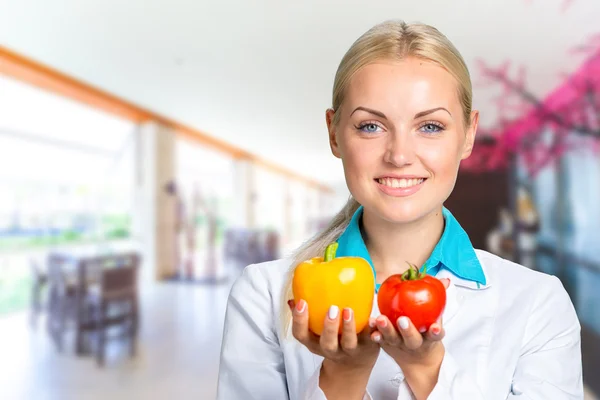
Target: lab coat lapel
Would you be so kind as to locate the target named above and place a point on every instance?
(452, 297)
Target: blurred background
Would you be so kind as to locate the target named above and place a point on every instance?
(150, 150)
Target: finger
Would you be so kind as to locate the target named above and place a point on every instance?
(411, 336)
(292, 304)
(445, 282)
(372, 324)
(329, 338)
(300, 328)
(349, 339)
(376, 336)
(365, 334)
(389, 335)
(300, 320)
(435, 333)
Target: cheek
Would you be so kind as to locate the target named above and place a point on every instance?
(358, 156)
(441, 158)
(360, 159)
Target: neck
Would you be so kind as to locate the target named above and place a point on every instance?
(392, 245)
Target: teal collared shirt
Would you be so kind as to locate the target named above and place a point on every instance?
(454, 250)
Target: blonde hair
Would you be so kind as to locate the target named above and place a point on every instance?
(390, 40)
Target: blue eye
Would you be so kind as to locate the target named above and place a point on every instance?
(431, 128)
(369, 128)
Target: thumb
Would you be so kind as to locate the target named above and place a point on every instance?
(291, 304)
(445, 282)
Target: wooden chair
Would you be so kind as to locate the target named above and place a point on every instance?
(115, 302)
(62, 299)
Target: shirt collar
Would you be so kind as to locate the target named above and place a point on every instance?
(453, 254)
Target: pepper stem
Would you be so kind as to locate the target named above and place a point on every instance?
(330, 251)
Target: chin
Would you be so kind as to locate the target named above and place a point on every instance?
(401, 211)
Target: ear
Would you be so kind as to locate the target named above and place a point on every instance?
(331, 128)
(470, 135)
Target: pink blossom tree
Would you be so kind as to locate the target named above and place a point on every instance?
(540, 130)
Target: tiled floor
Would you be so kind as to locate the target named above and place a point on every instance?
(177, 359)
(177, 355)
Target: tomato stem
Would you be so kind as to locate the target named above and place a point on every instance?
(330, 251)
(405, 275)
(412, 273)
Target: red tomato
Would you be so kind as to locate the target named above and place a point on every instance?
(415, 295)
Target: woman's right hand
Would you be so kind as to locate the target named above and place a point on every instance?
(346, 352)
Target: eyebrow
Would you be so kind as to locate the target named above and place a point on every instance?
(417, 115)
(427, 112)
(374, 112)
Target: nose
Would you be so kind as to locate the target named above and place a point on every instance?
(400, 150)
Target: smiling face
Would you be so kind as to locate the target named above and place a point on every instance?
(401, 136)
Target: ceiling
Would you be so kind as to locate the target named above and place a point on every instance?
(259, 73)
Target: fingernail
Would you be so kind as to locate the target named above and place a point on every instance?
(377, 338)
(403, 323)
(372, 323)
(436, 330)
(301, 306)
(347, 314)
(291, 304)
(333, 312)
(381, 323)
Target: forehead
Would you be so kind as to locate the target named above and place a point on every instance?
(407, 84)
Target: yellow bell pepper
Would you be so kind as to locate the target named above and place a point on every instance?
(343, 281)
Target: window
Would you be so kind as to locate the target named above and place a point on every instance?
(66, 170)
(66, 178)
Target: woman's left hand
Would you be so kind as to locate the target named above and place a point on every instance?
(419, 355)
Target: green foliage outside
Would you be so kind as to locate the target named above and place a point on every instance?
(112, 227)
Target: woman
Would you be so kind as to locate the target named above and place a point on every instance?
(401, 123)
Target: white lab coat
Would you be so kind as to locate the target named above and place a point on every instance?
(517, 337)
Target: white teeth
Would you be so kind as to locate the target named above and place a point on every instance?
(400, 183)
